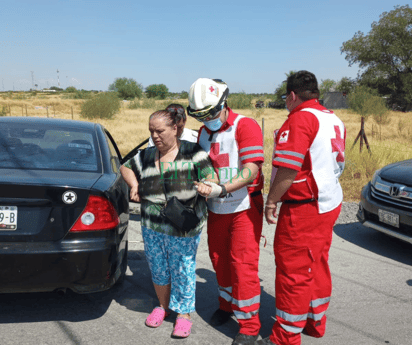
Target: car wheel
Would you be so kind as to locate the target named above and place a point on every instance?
(123, 267)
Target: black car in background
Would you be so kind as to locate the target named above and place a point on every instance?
(386, 201)
(63, 207)
(260, 104)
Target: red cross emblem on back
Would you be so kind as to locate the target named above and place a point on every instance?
(211, 89)
(338, 145)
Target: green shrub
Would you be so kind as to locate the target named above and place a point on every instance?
(366, 102)
(145, 103)
(19, 96)
(163, 104)
(380, 113)
(71, 89)
(82, 94)
(3, 112)
(134, 105)
(78, 94)
(127, 88)
(359, 100)
(240, 101)
(102, 106)
(159, 91)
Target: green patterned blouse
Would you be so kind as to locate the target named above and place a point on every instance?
(192, 163)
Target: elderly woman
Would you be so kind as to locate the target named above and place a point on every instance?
(173, 167)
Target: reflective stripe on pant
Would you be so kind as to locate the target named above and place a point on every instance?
(303, 281)
(234, 250)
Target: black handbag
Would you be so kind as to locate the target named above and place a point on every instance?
(182, 217)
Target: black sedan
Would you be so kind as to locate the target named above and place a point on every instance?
(386, 201)
(64, 207)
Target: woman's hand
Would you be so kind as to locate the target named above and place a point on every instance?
(134, 194)
(203, 189)
(208, 189)
(131, 180)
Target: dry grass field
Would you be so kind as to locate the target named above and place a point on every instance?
(130, 127)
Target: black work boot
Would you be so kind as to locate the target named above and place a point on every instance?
(265, 341)
(220, 317)
(244, 339)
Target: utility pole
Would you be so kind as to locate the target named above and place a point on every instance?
(2, 82)
(58, 78)
(32, 80)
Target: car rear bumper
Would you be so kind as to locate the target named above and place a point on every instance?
(83, 266)
(368, 215)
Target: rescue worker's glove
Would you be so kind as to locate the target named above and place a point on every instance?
(216, 189)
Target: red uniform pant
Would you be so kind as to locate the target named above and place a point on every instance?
(234, 250)
(303, 281)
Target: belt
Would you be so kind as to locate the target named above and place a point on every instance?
(258, 192)
(305, 201)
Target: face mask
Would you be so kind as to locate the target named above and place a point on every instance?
(214, 125)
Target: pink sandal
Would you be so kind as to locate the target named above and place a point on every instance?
(156, 317)
(182, 328)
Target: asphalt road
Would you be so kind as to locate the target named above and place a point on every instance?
(371, 300)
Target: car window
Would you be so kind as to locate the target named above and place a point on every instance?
(26, 146)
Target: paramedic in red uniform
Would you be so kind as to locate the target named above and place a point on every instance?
(235, 147)
(310, 158)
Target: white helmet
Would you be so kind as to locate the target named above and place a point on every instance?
(207, 98)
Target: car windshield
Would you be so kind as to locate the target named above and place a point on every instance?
(26, 146)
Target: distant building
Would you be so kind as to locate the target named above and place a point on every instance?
(335, 100)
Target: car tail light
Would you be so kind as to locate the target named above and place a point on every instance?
(99, 214)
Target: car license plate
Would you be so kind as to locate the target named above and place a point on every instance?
(388, 218)
(8, 218)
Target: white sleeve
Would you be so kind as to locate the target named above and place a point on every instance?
(189, 135)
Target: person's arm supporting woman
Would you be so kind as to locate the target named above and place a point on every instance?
(206, 173)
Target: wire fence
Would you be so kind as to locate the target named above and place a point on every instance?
(39, 111)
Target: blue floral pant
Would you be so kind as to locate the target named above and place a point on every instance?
(172, 260)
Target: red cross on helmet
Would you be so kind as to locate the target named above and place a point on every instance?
(207, 98)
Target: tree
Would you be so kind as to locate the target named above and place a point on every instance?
(281, 89)
(157, 90)
(71, 89)
(379, 111)
(346, 85)
(359, 101)
(127, 88)
(326, 85)
(384, 55)
(183, 95)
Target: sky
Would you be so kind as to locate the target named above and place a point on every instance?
(250, 45)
